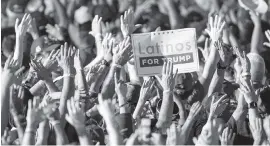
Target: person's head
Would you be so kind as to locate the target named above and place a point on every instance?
(257, 70)
(82, 15)
(49, 7)
(35, 5)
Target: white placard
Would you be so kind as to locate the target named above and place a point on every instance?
(179, 46)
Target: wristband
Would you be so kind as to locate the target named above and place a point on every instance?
(123, 104)
(69, 75)
(104, 62)
(117, 65)
(220, 67)
(165, 91)
(30, 131)
(55, 122)
(245, 74)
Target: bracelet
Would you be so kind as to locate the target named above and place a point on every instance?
(221, 67)
(117, 65)
(55, 122)
(167, 91)
(123, 104)
(245, 74)
(30, 131)
(105, 62)
(69, 75)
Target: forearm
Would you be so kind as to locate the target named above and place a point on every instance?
(255, 40)
(71, 9)
(138, 110)
(122, 104)
(43, 133)
(217, 81)
(36, 88)
(51, 86)
(209, 68)
(166, 110)
(4, 107)
(67, 92)
(29, 135)
(83, 136)
(61, 137)
(113, 132)
(182, 112)
(82, 86)
(187, 127)
(61, 13)
(95, 86)
(174, 17)
(108, 85)
(18, 51)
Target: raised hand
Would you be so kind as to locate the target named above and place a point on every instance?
(54, 32)
(123, 53)
(216, 28)
(66, 58)
(254, 17)
(22, 27)
(75, 114)
(266, 125)
(34, 113)
(224, 53)
(42, 72)
(256, 128)
(217, 106)
(146, 89)
(206, 50)
(227, 137)
(245, 63)
(96, 27)
(11, 70)
(93, 72)
(51, 62)
(267, 34)
(108, 45)
(175, 136)
(120, 87)
(32, 28)
(127, 23)
(194, 110)
(168, 78)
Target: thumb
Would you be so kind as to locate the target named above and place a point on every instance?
(195, 140)
(158, 29)
(69, 119)
(137, 26)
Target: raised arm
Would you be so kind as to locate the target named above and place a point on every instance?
(166, 110)
(256, 43)
(9, 76)
(21, 29)
(144, 96)
(122, 55)
(61, 14)
(174, 16)
(33, 119)
(105, 108)
(215, 33)
(225, 55)
(66, 62)
(76, 118)
(54, 119)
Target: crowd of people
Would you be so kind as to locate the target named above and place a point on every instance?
(68, 74)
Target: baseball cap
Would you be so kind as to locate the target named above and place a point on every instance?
(43, 43)
(259, 6)
(257, 69)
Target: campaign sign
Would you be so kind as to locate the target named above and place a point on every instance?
(151, 49)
